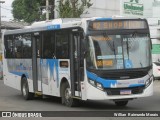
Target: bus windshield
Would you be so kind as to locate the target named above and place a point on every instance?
(110, 52)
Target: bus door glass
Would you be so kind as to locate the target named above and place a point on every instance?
(39, 50)
(36, 62)
(62, 55)
(77, 62)
(47, 62)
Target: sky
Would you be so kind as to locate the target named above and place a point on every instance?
(6, 9)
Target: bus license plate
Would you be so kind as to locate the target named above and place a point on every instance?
(125, 92)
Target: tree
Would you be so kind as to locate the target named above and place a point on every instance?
(72, 8)
(29, 10)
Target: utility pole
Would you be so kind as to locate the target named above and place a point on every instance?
(47, 9)
(0, 17)
(1, 77)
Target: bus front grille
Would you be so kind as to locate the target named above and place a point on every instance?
(117, 91)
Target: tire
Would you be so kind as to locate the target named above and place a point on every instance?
(25, 90)
(121, 103)
(67, 97)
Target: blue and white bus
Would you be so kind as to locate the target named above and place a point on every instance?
(80, 59)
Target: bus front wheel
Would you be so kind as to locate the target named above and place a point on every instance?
(67, 97)
(25, 90)
(121, 103)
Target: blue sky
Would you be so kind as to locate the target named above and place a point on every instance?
(6, 8)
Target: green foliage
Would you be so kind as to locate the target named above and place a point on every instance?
(72, 8)
(26, 10)
(137, 1)
(29, 10)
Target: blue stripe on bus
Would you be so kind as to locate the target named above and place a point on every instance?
(107, 83)
(19, 73)
(103, 19)
(53, 63)
(136, 85)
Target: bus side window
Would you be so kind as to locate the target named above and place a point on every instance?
(62, 49)
(27, 49)
(47, 53)
(18, 46)
(9, 53)
(48, 43)
(19, 52)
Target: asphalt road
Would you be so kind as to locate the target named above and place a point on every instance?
(11, 100)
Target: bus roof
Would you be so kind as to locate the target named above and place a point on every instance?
(47, 25)
(57, 24)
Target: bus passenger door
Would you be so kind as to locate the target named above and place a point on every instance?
(77, 65)
(36, 68)
(48, 64)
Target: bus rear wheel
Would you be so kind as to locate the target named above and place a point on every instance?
(67, 97)
(121, 103)
(25, 90)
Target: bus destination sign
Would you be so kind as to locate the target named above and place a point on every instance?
(117, 25)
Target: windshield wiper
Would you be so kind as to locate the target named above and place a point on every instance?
(127, 49)
(134, 34)
(114, 50)
(141, 64)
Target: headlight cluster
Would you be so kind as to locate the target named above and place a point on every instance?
(96, 84)
(149, 81)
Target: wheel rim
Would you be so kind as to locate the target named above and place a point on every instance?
(67, 95)
(24, 90)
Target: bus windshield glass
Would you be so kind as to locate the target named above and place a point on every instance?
(110, 52)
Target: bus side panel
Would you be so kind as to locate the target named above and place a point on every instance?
(50, 77)
(39, 76)
(13, 71)
(9, 79)
(84, 84)
(64, 72)
(45, 76)
(52, 74)
(30, 84)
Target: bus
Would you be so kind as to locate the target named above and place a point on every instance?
(80, 59)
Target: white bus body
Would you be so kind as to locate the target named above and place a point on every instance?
(81, 74)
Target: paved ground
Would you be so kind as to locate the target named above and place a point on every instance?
(11, 100)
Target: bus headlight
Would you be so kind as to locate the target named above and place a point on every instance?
(149, 81)
(92, 82)
(99, 86)
(96, 84)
